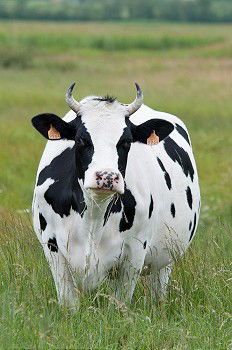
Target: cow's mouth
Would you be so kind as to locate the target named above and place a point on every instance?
(104, 191)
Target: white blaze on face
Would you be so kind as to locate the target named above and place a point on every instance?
(105, 123)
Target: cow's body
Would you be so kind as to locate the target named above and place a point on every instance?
(152, 221)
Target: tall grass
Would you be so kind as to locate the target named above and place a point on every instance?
(195, 314)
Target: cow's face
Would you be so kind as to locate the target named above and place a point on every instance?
(102, 141)
(103, 134)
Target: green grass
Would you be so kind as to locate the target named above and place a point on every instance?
(195, 315)
(58, 43)
(188, 75)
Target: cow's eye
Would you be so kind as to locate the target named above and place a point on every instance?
(80, 142)
(126, 144)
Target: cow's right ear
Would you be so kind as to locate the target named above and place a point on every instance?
(52, 127)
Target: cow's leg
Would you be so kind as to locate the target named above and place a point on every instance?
(158, 281)
(130, 266)
(64, 284)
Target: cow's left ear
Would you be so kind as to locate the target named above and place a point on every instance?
(152, 131)
(53, 128)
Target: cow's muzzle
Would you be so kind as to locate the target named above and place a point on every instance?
(107, 181)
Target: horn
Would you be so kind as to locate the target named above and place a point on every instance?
(72, 103)
(137, 103)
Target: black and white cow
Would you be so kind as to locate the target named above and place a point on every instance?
(117, 187)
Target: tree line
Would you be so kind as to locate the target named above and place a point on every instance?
(176, 10)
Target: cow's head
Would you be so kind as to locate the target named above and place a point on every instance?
(103, 134)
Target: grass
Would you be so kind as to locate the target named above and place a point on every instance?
(58, 43)
(190, 80)
(198, 301)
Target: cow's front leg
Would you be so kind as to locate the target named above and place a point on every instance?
(66, 291)
(130, 265)
(158, 281)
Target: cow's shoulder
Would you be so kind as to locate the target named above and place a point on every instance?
(60, 190)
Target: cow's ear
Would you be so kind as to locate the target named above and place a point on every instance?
(52, 127)
(152, 131)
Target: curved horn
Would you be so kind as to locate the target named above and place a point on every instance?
(73, 104)
(137, 103)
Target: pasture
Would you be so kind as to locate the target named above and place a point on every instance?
(183, 69)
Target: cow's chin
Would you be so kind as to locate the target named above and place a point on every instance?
(101, 192)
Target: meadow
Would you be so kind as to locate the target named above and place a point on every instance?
(183, 69)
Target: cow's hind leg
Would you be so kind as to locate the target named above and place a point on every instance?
(64, 284)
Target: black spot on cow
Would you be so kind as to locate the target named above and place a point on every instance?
(166, 175)
(52, 244)
(182, 132)
(43, 222)
(189, 197)
(150, 207)
(168, 180)
(145, 245)
(128, 214)
(65, 193)
(194, 226)
(115, 206)
(84, 151)
(125, 203)
(173, 210)
(179, 155)
(190, 225)
(123, 147)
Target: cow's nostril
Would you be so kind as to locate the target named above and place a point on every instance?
(115, 177)
(98, 175)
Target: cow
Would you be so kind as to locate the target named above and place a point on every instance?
(116, 189)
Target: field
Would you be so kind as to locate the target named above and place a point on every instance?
(183, 69)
